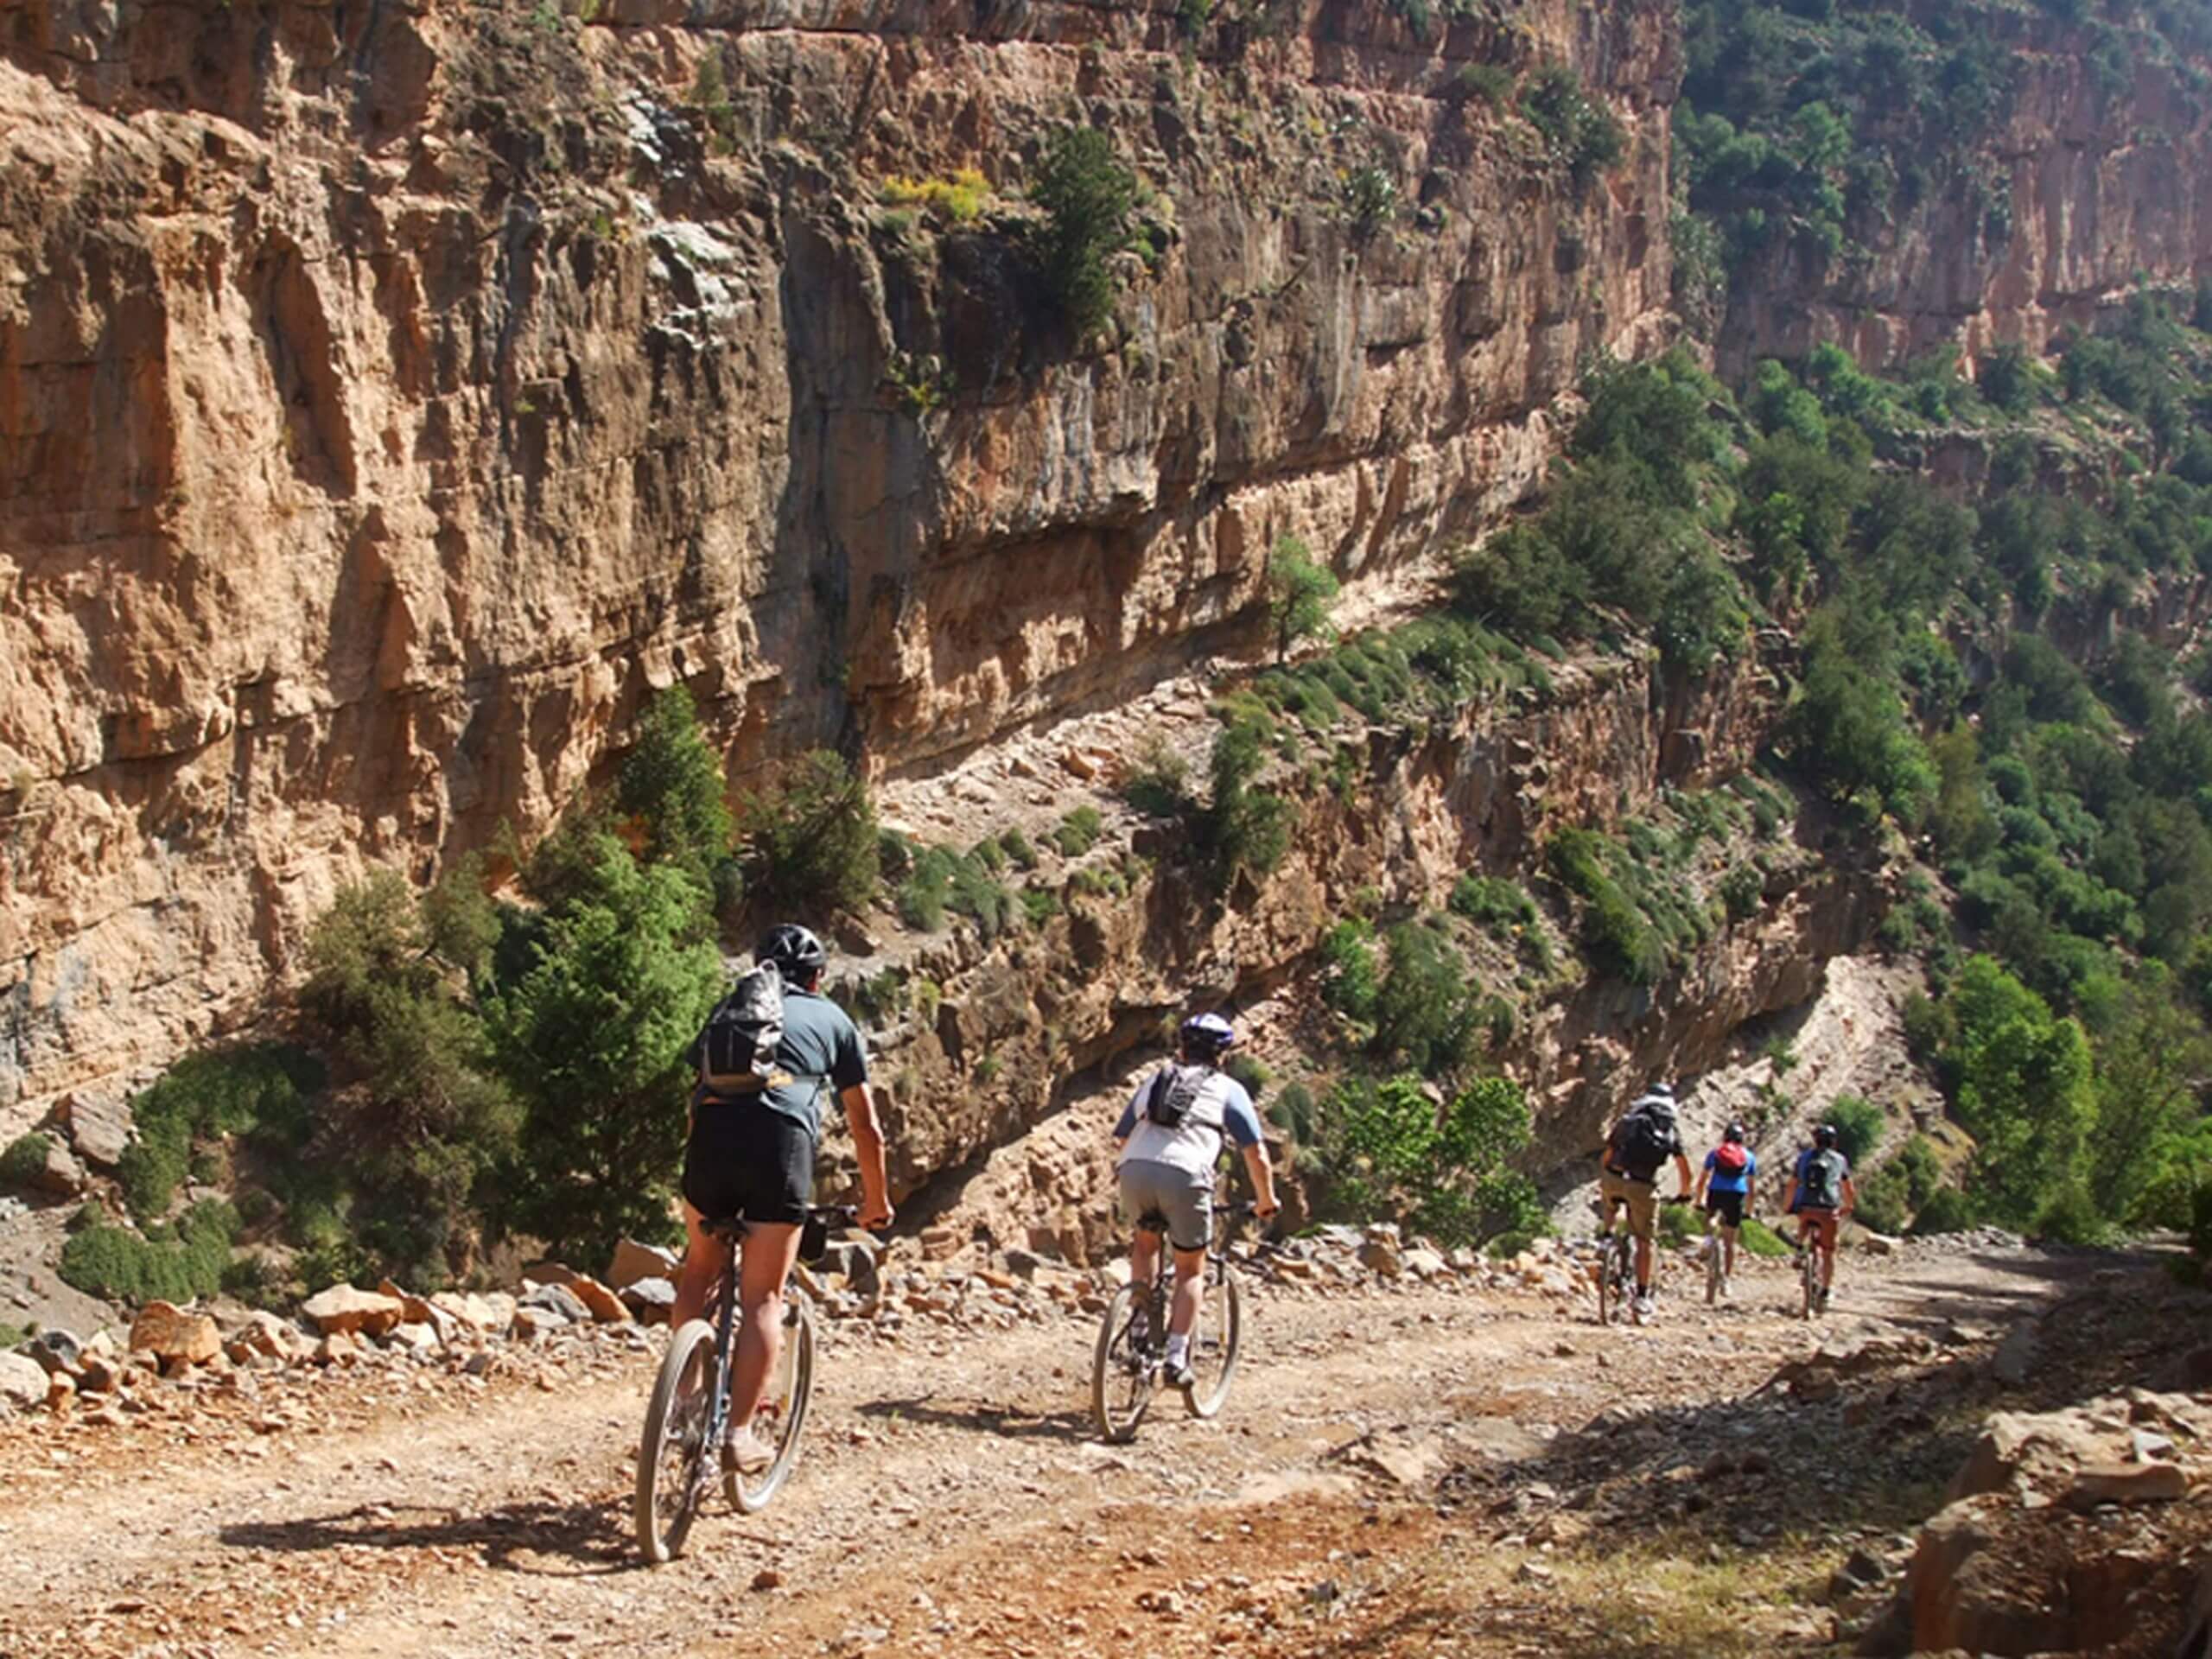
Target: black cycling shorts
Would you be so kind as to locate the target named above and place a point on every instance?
(746, 1161)
(1729, 1206)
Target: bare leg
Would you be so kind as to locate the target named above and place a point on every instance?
(1144, 1259)
(1644, 1261)
(770, 1250)
(704, 1258)
(1728, 1252)
(1828, 1263)
(1189, 1292)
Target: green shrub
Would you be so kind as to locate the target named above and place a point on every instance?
(22, 1164)
(1350, 977)
(812, 842)
(1882, 1203)
(1019, 849)
(1087, 196)
(1859, 1125)
(1491, 82)
(1614, 928)
(253, 1089)
(1245, 830)
(1299, 593)
(1741, 891)
(1079, 831)
(1039, 905)
(671, 783)
(1578, 133)
(1762, 1239)
(2071, 1217)
(1947, 1210)
(1493, 902)
(174, 1263)
(1425, 1009)
(1158, 782)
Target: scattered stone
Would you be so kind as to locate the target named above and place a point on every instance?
(602, 1303)
(2126, 1482)
(98, 1373)
(1878, 1243)
(337, 1348)
(22, 1382)
(634, 1262)
(558, 1300)
(99, 1126)
(1379, 1254)
(262, 1333)
(1425, 1264)
(344, 1310)
(2143, 1446)
(2016, 1356)
(56, 1352)
(651, 1301)
(768, 1578)
(536, 1319)
(61, 1391)
(173, 1336)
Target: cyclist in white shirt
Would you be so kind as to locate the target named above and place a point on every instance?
(1171, 1136)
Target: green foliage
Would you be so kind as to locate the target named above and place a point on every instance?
(1019, 849)
(1245, 830)
(1079, 831)
(812, 842)
(2006, 377)
(672, 785)
(2024, 1093)
(1088, 197)
(1249, 1070)
(1384, 1147)
(1848, 726)
(1947, 1210)
(1425, 1010)
(1368, 196)
(1859, 1124)
(1614, 930)
(1299, 593)
(177, 1262)
(1159, 781)
(1351, 981)
(941, 879)
(1580, 133)
(1492, 83)
(239, 1091)
(1742, 890)
(24, 1160)
(591, 1037)
(1762, 1239)
(1494, 902)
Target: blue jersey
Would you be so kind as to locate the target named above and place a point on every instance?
(1721, 1180)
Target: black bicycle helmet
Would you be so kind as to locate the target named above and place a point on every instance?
(1824, 1137)
(796, 951)
(1734, 1132)
(1207, 1036)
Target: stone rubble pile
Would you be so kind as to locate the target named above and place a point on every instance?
(2084, 1486)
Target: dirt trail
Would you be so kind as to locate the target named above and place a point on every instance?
(952, 1498)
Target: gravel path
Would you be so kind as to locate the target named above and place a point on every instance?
(951, 1497)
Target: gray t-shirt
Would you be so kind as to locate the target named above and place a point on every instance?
(822, 1049)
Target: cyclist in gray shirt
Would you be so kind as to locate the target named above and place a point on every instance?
(1171, 1136)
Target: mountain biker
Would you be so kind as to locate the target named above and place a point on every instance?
(1645, 1138)
(1170, 1136)
(1724, 1191)
(1822, 1196)
(754, 1154)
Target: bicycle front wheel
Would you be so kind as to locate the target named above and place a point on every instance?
(1122, 1369)
(782, 1415)
(671, 1454)
(1213, 1348)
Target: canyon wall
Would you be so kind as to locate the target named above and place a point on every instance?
(391, 395)
(2088, 186)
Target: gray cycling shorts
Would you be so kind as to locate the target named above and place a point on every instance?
(1185, 1201)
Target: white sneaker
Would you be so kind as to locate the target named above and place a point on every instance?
(748, 1452)
(1644, 1309)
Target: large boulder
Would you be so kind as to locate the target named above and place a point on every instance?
(58, 1173)
(2017, 1448)
(99, 1126)
(22, 1382)
(651, 1301)
(175, 1336)
(344, 1309)
(262, 1333)
(555, 1299)
(634, 1262)
(57, 1353)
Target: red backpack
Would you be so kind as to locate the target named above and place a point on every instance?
(1729, 1158)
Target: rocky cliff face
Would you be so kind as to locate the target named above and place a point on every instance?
(390, 397)
(2086, 188)
(1010, 1034)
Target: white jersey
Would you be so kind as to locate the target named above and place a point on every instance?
(1222, 1108)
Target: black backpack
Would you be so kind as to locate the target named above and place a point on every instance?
(1642, 1143)
(1820, 1184)
(737, 1046)
(1174, 1090)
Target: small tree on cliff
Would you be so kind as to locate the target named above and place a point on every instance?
(1088, 197)
(671, 783)
(1299, 592)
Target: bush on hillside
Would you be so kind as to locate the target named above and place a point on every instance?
(1859, 1124)
(24, 1161)
(174, 1263)
(1088, 197)
(672, 785)
(811, 845)
(238, 1090)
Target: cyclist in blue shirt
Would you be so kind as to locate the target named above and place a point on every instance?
(1724, 1191)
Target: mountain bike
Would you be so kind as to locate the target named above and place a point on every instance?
(1809, 1272)
(1131, 1358)
(1617, 1266)
(689, 1413)
(1716, 1271)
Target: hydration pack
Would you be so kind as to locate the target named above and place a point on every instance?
(737, 1046)
(1729, 1158)
(1820, 1182)
(1642, 1142)
(1174, 1090)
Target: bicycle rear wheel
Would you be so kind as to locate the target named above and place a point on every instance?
(782, 1415)
(671, 1454)
(1610, 1284)
(1122, 1372)
(1808, 1281)
(1213, 1348)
